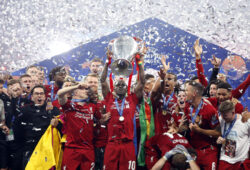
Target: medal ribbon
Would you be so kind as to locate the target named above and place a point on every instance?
(165, 105)
(197, 111)
(130, 78)
(120, 110)
(77, 100)
(135, 135)
(80, 100)
(227, 131)
(52, 92)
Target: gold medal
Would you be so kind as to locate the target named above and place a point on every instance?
(164, 112)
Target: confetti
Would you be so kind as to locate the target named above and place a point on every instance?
(29, 27)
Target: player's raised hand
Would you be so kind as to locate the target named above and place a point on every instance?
(197, 49)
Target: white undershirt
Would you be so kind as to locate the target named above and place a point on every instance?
(239, 134)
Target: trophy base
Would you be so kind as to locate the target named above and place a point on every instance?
(121, 67)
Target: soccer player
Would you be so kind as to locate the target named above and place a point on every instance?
(164, 101)
(79, 119)
(234, 139)
(224, 92)
(120, 151)
(203, 121)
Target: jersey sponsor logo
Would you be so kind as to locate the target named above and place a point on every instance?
(214, 120)
(84, 116)
(180, 141)
(126, 105)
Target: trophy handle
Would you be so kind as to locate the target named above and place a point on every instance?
(140, 45)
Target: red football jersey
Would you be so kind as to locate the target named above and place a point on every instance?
(101, 133)
(121, 129)
(55, 103)
(79, 122)
(48, 91)
(158, 145)
(163, 121)
(177, 117)
(238, 107)
(208, 119)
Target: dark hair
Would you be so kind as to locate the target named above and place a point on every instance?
(53, 72)
(178, 161)
(216, 82)
(224, 85)
(175, 76)
(194, 78)
(38, 86)
(178, 89)
(97, 60)
(197, 86)
(24, 75)
(13, 81)
(148, 76)
(10, 77)
(226, 106)
(1, 81)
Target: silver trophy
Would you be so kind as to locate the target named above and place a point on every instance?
(123, 48)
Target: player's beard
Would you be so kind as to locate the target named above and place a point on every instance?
(59, 84)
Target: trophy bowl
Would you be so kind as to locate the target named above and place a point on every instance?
(123, 49)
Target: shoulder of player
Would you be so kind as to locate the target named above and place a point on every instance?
(27, 107)
(56, 110)
(208, 107)
(108, 96)
(239, 105)
(132, 95)
(211, 100)
(170, 135)
(47, 87)
(174, 97)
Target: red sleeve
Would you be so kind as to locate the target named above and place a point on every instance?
(97, 111)
(212, 117)
(66, 106)
(107, 100)
(151, 156)
(187, 111)
(200, 73)
(240, 90)
(135, 98)
(214, 102)
(47, 90)
(239, 108)
(55, 103)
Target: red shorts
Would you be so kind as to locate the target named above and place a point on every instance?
(207, 157)
(74, 158)
(119, 156)
(223, 165)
